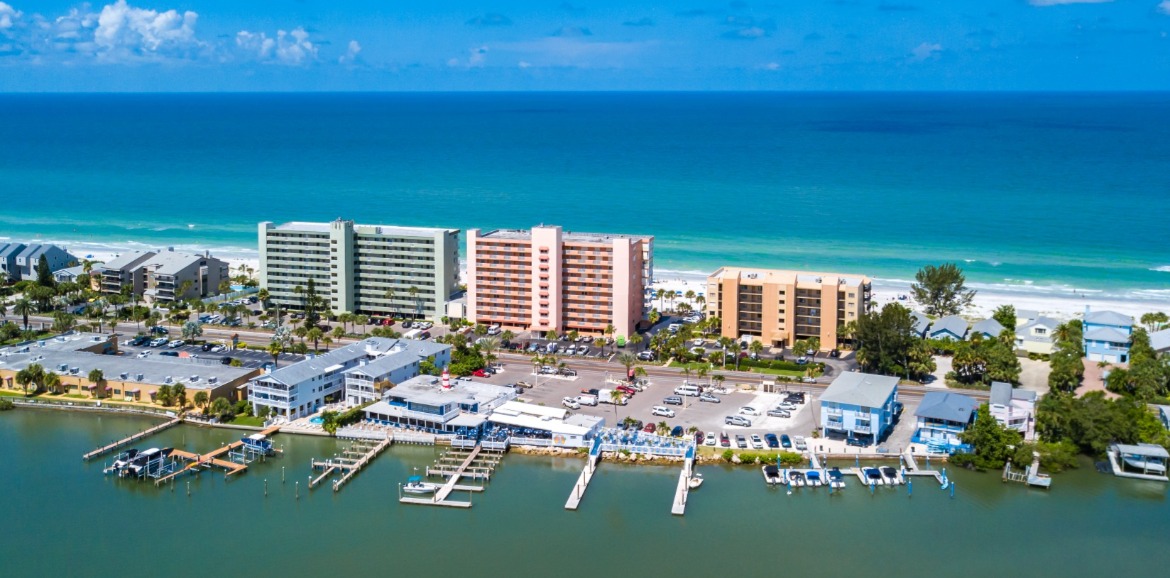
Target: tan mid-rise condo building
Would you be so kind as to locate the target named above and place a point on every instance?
(548, 279)
(780, 308)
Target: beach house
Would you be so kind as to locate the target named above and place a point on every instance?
(19, 261)
(949, 327)
(1107, 336)
(921, 323)
(1160, 341)
(1035, 335)
(988, 328)
(302, 388)
(859, 405)
(370, 378)
(941, 418)
(1013, 408)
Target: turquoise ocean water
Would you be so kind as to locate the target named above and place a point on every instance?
(1045, 193)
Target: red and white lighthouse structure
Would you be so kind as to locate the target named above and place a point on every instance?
(446, 379)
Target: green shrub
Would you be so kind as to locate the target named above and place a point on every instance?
(6, 404)
(727, 455)
(791, 459)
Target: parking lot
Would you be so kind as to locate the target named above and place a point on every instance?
(249, 359)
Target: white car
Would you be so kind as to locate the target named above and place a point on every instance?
(710, 440)
(661, 410)
(800, 443)
(144, 354)
(757, 443)
(571, 403)
(161, 341)
(176, 343)
(784, 405)
(218, 349)
(583, 350)
(749, 410)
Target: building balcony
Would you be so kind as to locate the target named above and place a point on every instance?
(833, 411)
(862, 428)
(835, 425)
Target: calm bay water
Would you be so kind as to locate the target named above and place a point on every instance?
(1032, 192)
(63, 517)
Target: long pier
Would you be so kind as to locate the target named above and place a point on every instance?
(357, 466)
(212, 459)
(591, 462)
(682, 491)
(133, 438)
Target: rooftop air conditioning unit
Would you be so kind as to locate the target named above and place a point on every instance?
(194, 378)
(124, 376)
(63, 367)
(167, 379)
(212, 379)
(138, 377)
(74, 370)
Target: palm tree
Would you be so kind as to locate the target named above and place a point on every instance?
(701, 373)
(363, 320)
(52, 382)
(726, 343)
(390, 297)
(635, 341)
(690, 295)
(33, 375)
(338, 332)
(327, 340)
(756, 347)
(599, 343)
(702, 301)
(200, 400)
(314, 334)
(627, 360)
(96, 377)
(718, 379)
(662, 428)
(659, 294)
(610, 330)
(417, 304)
(654, 317)
(275, 349)
(615, 397)
(24, 307)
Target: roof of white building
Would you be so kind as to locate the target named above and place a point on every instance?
(862, 389)
(1106, 334)
(1108, 318)
(1160, 340)
(1003, 393)
(519, 407)
(428, 390)
(370, 347)
(946, 406)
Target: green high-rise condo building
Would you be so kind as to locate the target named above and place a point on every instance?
(369, 269)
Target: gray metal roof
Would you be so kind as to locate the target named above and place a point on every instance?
(1001, 393)
(171, 263)
(369, 348)
(1108, 318)
(127, 260)
(989, 327)
(1150, 450)
(862, 389)
(946, 406)
(11, 249)
(921, 322)
(155, 369)
(953, 324)
(1106, 334)
(1160, 340)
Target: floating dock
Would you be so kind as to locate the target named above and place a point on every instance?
(586, 475)
(682, 492)
(464, 469)
(131, 439)
(1154, 456)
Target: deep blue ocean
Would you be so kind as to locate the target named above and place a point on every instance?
(1041, 192)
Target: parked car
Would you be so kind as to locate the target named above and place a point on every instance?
(626, 390)
(777, 412)
(225, 360)
(676, 431)
(749, 410)
(784, 405)
(479, 373)
(582, 350)
(571, 403)
(770, 439)
(738, 420)
(586, 399)
(757, 443)
(169, 353)
(523, 384)
(646, 356)
(785, 442)
(801, 360)
(662, 410)
(807, 379)
(799, 443)
(709, 398)
(856, 442)
(699, 438)
(592, 391)
(710, 439)
(161, 341)
(724, 441)
(650, 428)
(673, 400)
(741, 442)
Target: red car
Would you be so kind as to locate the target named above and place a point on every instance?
(479, 373)
(650, 428)
(724, 440)
(626, 390)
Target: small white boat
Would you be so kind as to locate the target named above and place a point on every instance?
(415, 485)
(1150, 466)
(771, 475)
(695, 481)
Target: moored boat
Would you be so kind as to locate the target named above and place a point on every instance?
(416, 485)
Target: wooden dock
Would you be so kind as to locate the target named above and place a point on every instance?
(591, 462)
(131, 439)
(357, 466)
(212, 458)
(452, 484)
(682, 491)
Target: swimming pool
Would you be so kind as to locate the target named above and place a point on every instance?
(317, 420)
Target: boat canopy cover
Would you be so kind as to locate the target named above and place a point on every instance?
(414, 479)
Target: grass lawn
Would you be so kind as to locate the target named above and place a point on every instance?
(8, 393)
(248, 420)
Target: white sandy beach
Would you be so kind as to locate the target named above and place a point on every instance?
(1059, 306)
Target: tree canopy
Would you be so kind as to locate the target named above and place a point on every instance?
(942, 289)
(982, 361)
(1067, 367)
(1092, 422)
(1006, 316)
(887, 344)
(993, 442)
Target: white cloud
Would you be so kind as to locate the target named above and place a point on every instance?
(8, 16)
(559, 51)
(772, 66)
(524, 64)
(925, 50)
(287, 47)
(1164, 7)
(125, 31)
(476, 58)
(351, 53)
(1063, 2)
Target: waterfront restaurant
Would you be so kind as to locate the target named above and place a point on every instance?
(545, 426)
(421, 403)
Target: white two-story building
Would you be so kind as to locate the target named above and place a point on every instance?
(300, 389)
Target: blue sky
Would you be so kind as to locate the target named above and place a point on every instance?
(265, 45)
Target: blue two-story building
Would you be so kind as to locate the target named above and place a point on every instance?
(859, 406)
(942, 417)
(1107, 336)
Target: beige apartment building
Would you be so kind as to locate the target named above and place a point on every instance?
(164, 276)
(782, 307)
(549, 279)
